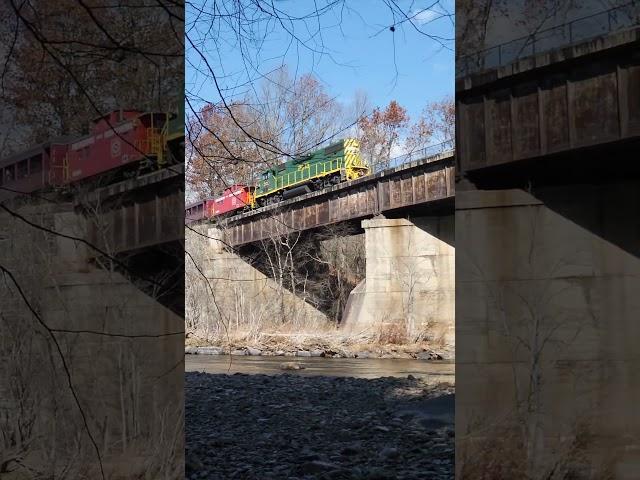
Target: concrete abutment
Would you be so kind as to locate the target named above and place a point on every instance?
(243, 297)
(410, 279)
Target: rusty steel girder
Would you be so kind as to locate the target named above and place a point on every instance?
(551, 103)
(138, 213)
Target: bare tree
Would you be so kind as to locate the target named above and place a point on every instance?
(292, 115)
(436, 125)
(86, 60)
(382, 131)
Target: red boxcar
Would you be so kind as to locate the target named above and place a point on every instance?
(33, 169)
(233, 198)
(199, 211)
(122, 137)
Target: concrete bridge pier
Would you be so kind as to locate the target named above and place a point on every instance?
(547, 323)
(410, 280)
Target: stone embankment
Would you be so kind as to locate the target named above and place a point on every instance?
(291, 427)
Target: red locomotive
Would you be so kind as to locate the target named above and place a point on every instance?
(122, 138)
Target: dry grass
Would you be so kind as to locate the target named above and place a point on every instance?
(502, 452)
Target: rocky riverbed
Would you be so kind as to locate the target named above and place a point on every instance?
(398, 352)
(292, 427)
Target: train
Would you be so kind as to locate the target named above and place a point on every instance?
(339, 162)
(122, 142)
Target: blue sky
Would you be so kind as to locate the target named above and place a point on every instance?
(359, 52)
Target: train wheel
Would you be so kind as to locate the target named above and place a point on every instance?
(318, 184)
(277, 198)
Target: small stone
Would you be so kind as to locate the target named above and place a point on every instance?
(191, 350)
(291, 366)
(381, 428)
(238, 352)
(350, 450)
(193, 463)
(254, 351)
(303, 353)
(209, 350)
(410, 377)
(317, 353)
(428, 356)
(279, 353)
(317, 466)
(390, 453)
(377, 474)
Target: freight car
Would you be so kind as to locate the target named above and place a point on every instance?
(325, 167)
(124, 142)
(232, 199)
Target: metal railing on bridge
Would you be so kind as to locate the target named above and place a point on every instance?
(561, 36)
(429, 151)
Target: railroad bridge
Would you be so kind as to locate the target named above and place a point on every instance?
(419, 188)
(547, 202)
(406, 213)
(140, 222)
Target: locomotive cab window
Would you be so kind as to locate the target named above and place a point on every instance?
(331, 149)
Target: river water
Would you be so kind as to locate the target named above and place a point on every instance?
(433, 371)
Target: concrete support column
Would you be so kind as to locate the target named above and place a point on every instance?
(547, 328)
(111, 374)
(410, 279)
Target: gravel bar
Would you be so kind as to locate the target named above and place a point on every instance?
(293, 427)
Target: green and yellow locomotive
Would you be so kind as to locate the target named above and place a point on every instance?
(328, 166)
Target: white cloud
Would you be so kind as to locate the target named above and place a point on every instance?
(397, 150)
(424, 16)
